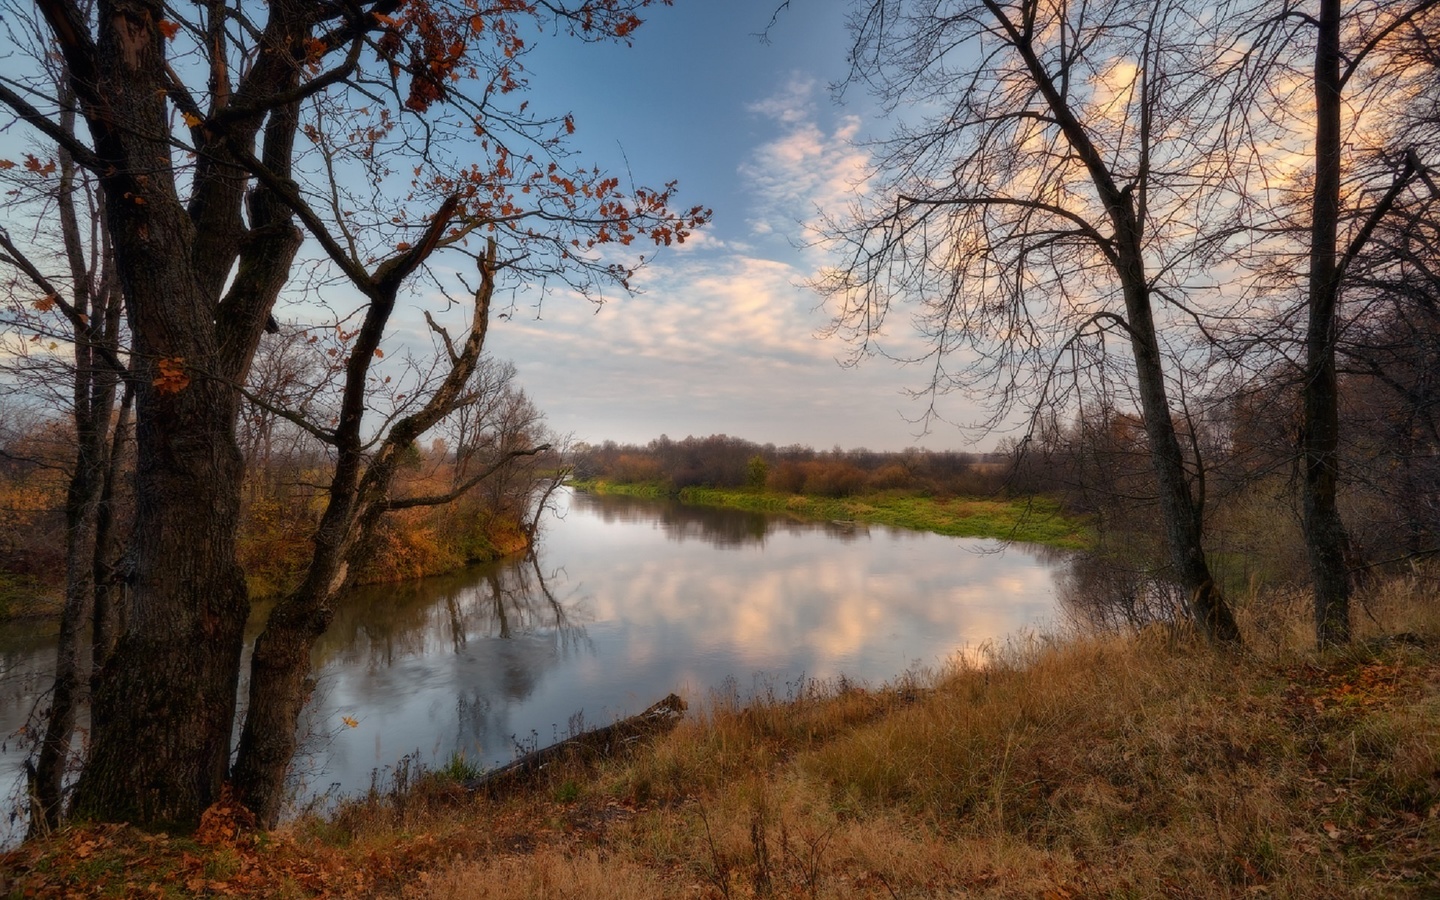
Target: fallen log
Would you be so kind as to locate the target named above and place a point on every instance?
(596, 744)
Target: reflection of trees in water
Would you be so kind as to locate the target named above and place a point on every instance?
(505, 601)
(714, 525)
(493, 630)
(27, 672)
(523, 611)
(1107, 592)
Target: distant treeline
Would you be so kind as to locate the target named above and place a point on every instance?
(721, 461)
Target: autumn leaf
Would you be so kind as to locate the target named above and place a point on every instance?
(349, 722)
(6, 164)
(168, 28)
(380, 354)
(46, 303)
(43, 169)
(193, 120)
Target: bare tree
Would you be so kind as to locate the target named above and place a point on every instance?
(1363, 150)
(1041, 199)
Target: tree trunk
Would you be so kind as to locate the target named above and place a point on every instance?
(279, 688)
(1183, 524)
(71, 678)
(1325, 538)
(280, 669)
(97, 305)
(163, 715)
(359, 496)
(107, 621)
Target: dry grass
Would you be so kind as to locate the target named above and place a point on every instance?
(1137, 766)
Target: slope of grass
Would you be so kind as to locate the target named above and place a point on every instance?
(1140, 766)
(1036, 520)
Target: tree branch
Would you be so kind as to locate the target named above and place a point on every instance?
(320, 434)
(77, 321)
(83, 155)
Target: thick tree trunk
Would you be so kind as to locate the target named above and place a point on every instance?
(280, 670)
(162, 716)
(161, 721)
(279, 689)
(1325, 538)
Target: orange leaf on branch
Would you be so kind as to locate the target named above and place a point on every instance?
(43, 169)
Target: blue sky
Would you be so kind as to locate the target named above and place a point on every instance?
(723, 336)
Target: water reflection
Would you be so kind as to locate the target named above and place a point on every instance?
(437, 666)
(1106, 592)
(510, 601)
(629, 601)
(652, 597)
(719, 527)
(27, 669)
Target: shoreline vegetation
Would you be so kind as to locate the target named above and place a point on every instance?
(274, 548)
(1034, 520)
(401, 557)
(1139, 764)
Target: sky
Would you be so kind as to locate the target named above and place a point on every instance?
(723, 336)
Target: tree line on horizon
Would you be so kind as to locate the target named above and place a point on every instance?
(722, 461)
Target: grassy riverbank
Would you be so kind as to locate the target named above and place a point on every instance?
(274, 558)
(1141, 766)
(1034, 519)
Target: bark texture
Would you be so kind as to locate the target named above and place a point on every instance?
(1325, 539)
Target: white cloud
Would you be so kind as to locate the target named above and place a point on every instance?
(810, 166)
(719, 342)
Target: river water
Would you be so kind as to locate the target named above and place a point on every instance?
(627, 601)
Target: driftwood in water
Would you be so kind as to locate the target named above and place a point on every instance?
(601, 742)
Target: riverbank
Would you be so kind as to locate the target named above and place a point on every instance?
(1136, 766)
(273, 566)
(1036, 520)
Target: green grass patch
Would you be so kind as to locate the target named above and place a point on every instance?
(1036, 520)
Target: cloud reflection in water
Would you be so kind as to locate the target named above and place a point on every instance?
(634, 599)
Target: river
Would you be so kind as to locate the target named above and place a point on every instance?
(627, 601)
